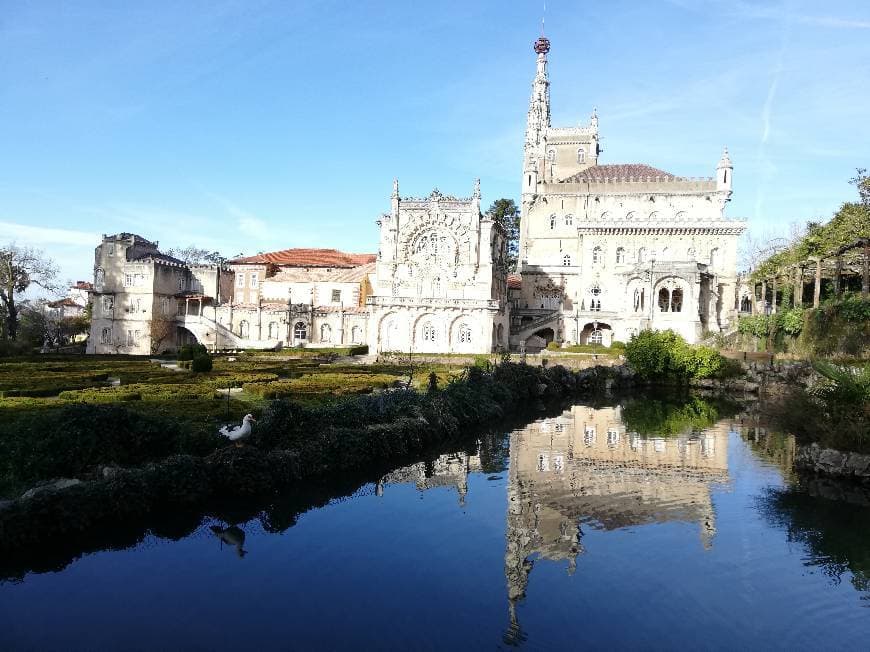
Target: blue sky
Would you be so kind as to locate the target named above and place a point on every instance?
(260, 125)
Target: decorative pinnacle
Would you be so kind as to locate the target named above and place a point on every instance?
(725, 161)
(542, 45)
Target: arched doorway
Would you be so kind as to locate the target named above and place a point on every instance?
(540, 340)
(596, 333)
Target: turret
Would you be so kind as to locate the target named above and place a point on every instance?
(724, 172)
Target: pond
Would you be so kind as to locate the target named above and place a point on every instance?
(642, 524)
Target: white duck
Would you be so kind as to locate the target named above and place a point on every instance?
(239, 433)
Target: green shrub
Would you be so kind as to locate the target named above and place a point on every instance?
(617, 345)
(553, 346)
(71, 440)
(201, 363)
(190, 351)
(663, 354)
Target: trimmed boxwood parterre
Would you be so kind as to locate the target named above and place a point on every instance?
(290, 443)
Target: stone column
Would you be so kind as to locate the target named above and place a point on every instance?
(817, 289)
(773, 308)
(764, 297)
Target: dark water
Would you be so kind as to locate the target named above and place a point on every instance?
(570, 533)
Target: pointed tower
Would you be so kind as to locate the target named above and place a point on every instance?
(724, 171)
(537, 121)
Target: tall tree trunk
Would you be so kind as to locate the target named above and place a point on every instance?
(837, 271)
(817, 289)
(865, 282)
(798, 298)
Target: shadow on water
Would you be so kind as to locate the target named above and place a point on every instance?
(832, 521)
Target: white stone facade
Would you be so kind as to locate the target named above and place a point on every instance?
(440, 279)
(608, 250)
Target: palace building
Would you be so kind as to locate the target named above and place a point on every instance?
(606, 250)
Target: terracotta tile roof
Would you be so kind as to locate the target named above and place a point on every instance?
(514, 281)
(83, 285)
(338, 275)
(308, 258)
(633, 171)
(66, 302)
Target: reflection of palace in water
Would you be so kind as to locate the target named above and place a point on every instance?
(582, 467)
(448, 470)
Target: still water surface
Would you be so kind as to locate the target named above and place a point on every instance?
(572, 532)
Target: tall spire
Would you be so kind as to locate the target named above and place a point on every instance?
(539, 103)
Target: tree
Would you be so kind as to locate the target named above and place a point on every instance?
(21, 267)
(193, 255)
(162, 330)
(861, 181)
(506, 213)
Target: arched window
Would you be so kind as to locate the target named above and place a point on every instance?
(300, 331)
(429, 333)
(641, 255)
(677, 300)
(464, 334)
(99, 278)
(356, 335)
(553, 221)
(638, 299)
(551, 155)
(581, 155)
(436, 286)
(666, 254)
(664, 299)
(325, 333)
(690, 254)
(620, 255)
(273, 330)
(569, 219)
(566, 260)
(745, 304)
(499, 334)
(630, 215)
(244, 328)
(597, 256)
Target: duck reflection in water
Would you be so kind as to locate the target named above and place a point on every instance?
(232, 536)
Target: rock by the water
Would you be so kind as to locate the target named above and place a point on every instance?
(56, 485)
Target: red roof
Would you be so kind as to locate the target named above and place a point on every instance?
(65, 302)
(633, 171)
(308, 258)
(514, 281)
(83, 285)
